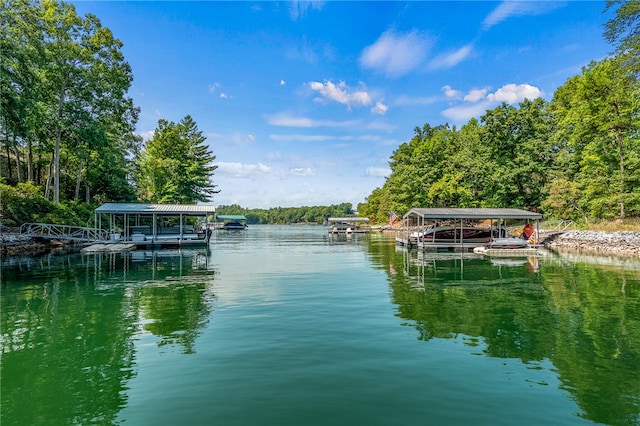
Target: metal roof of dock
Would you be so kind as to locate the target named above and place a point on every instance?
(472, 213)
(348, 219)
(140, 208)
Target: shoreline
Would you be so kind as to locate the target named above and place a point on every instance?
(619, 243)
(15, 244)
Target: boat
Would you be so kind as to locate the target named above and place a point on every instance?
(348, 225)
(447, 234)
(232, 222)
(230, 226)
(507, 243)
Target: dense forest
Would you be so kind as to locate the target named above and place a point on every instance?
(576, 156)
(67, 126)
(68, 137)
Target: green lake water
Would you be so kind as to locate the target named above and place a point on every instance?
(285, 325)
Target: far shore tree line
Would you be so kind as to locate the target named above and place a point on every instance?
(288, 215)
(68, 141)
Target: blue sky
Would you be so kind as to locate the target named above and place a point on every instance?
(303, 103)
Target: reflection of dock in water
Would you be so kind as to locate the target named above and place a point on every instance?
(467, 268)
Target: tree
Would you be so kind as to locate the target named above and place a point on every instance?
(85, 75)
(598, 114)
(520, 153)
(623, 31)
(22, 53)
(63, 100)
(176, 166)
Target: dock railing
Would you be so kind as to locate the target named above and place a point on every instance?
(558, 225)
(64, 232)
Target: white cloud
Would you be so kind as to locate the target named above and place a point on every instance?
(451, 93)
(241, 170)
(286, 120)
(282, 82)
(249, 138)
(224, 96)
(213, 87)
(301, 171)
(379, 108)
(478, 101)
(449, 60)
(462, 113)
(509, 8)
(378, 171)
(475, 95)
(146, 135)
(512, 93)
(340, 93)
(396, 54)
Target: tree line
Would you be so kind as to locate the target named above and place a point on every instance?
(576, 156)
(285, 215)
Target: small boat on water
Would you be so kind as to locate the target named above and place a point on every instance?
(233, 222)
(230, 226)
(507, 243)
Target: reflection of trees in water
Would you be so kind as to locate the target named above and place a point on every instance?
(583, 317)
(177, 313)
(68, 324)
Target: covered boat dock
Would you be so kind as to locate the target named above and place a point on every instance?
(230, 222)
(155, 225)
(348, 225)
(499, 222)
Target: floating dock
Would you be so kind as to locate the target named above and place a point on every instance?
(505, 252)
(109, 248)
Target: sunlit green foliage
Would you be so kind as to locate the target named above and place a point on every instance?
(576, 157)
(24, 203)
(176, 165)
(65, 119)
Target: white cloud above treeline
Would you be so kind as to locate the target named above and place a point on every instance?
(477, 101)
(343, 94)
(241, 170)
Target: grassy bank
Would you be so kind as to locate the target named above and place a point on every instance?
(632, 224)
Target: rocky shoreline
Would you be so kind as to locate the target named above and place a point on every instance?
(620, 243)
(14, 244)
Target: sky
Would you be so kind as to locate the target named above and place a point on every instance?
(303, 103)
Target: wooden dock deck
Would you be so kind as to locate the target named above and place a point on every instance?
(122, 246)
